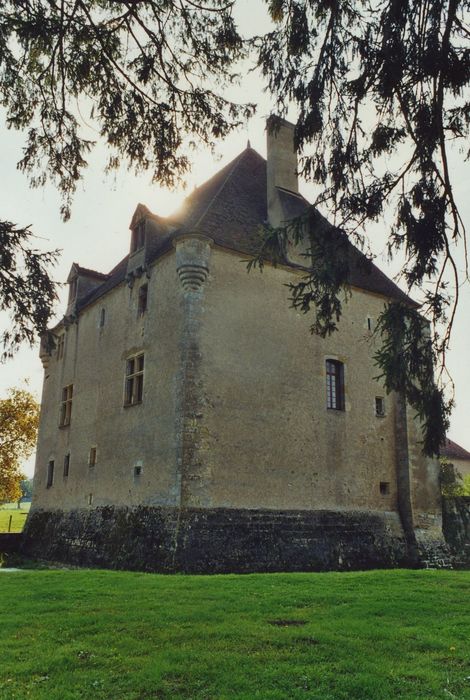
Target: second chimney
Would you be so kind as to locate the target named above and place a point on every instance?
(281, 169)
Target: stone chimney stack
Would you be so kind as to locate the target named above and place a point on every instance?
(281, 165)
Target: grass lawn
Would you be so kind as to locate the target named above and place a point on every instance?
(130, 636)
(17, 521)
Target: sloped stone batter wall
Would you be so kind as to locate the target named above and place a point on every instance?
(217, 540)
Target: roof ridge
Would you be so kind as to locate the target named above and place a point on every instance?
(236, 162)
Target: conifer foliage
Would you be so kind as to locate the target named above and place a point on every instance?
(27, 292)
(381, 90)
(139, 71)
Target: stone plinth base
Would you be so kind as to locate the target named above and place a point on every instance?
(216, 541)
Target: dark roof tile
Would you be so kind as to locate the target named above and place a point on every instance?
(90, 273)
(452, 450)
(229, 208)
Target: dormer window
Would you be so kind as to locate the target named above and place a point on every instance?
(73, 285)
(138, 237)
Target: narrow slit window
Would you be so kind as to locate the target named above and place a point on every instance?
(66, 464)
(92, 457)
(66, 405)
(335, 385)
(143, 297)
(134, 387)
(50, 474)
(90, 499)
(137, 471)
(102, 318)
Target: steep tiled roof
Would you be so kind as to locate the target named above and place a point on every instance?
(90, 273)
(231, 205)
(454, 451)
(229, 208)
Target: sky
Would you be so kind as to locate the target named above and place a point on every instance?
(97, 236)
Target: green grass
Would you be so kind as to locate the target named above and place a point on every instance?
(130, 636)
(18, 517)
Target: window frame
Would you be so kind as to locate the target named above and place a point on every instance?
(66, 406)
(335, 394)
(134, 380)
(380, 413)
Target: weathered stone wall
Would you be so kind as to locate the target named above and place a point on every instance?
(141, 435)
(266, 437)
(216, 540)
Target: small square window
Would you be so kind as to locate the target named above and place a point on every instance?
(137, 471)
(379, 406)
(384, 488)
(92, 457)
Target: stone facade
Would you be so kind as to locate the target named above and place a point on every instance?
(229, 459)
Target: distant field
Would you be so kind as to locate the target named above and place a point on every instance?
(381, 635)
(18, 517)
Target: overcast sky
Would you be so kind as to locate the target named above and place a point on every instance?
(97, 236)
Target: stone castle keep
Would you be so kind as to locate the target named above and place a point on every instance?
(191, 422)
